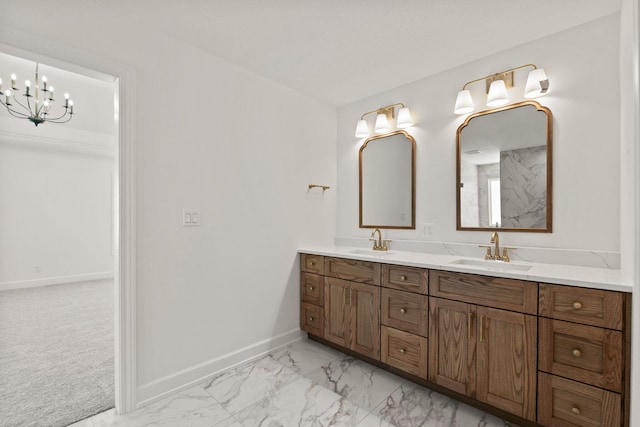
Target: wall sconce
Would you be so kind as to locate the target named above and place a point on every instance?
(496, 87)
(383, 116)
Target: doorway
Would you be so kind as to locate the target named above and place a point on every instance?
(59, 252)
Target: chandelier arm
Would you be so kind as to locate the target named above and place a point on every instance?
(56, 119)
(17, 114)
(59, 117)
(21, 104)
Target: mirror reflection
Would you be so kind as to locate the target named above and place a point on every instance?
(504, 169)
(387, 181)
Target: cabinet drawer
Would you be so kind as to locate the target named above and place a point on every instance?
(405, 310)
(497, 292)
(353, 270)
(312, 288)
(311, 318)
(589, 306)
(405, 278)
(404, 351)
(564, 403)
(584, 353)
(312, 263)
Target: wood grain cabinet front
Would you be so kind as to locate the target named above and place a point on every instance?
(593, 307)
(312, 263)
(485, 353)
(404, 351)
(311, 318)
(497, 292)
(566, 403)
(312, 294)
(405, 311)
(583, 357)
(353, 270)
(405, 278)
(312, 288)
(584, 353)
(352, 316)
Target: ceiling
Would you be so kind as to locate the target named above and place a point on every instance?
(340, 51)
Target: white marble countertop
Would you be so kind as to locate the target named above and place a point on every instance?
(586, 277)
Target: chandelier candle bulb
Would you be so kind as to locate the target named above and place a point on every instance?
(44, 83)
(13, 81)
(8, 95)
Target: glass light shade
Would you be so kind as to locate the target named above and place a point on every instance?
(497, 94)
(362, 129)
(534, 87)
(404, 118)
(464, 103)
(382, 124)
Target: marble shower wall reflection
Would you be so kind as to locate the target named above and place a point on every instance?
(523, 187)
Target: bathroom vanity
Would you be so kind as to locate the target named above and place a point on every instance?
(536, 345)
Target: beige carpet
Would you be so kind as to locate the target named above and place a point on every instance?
(56, 353)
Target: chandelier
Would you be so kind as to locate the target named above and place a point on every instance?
(37, 105)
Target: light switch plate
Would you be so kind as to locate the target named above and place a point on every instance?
(190, 218)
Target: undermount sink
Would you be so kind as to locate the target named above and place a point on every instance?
(492, 265)
(370, 252)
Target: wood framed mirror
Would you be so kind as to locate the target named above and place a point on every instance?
(387, 181)
(504, 169)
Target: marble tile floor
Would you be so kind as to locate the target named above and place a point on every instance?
(303, 384)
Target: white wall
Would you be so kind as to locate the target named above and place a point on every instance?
(56, 217)
(583, 67)
(214, 137)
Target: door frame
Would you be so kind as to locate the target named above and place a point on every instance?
(24, 45)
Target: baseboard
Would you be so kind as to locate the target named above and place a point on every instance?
(61, 280)
(187, 378)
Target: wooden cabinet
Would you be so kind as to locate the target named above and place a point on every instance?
(352, 316)
(403, 278)
(312, 294)
(583, 358)
(405, 318)
(404, 351)
(485, 352)
(405, 311)
(353, 270)
(593, 307)
(584, 353)
(312, 263)
(566, 403)
(554, 355)
(452, 341)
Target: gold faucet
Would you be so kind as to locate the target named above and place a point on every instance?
(379, 244)
(495, 239)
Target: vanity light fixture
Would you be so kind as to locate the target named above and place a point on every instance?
(496, 88)
(39, 97)
(383, 117)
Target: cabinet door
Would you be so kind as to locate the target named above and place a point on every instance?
(336, 311)
(506, 366)
(452, 345)
(365, 319)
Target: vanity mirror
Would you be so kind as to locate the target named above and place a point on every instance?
(387, 181)
(504, 164)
